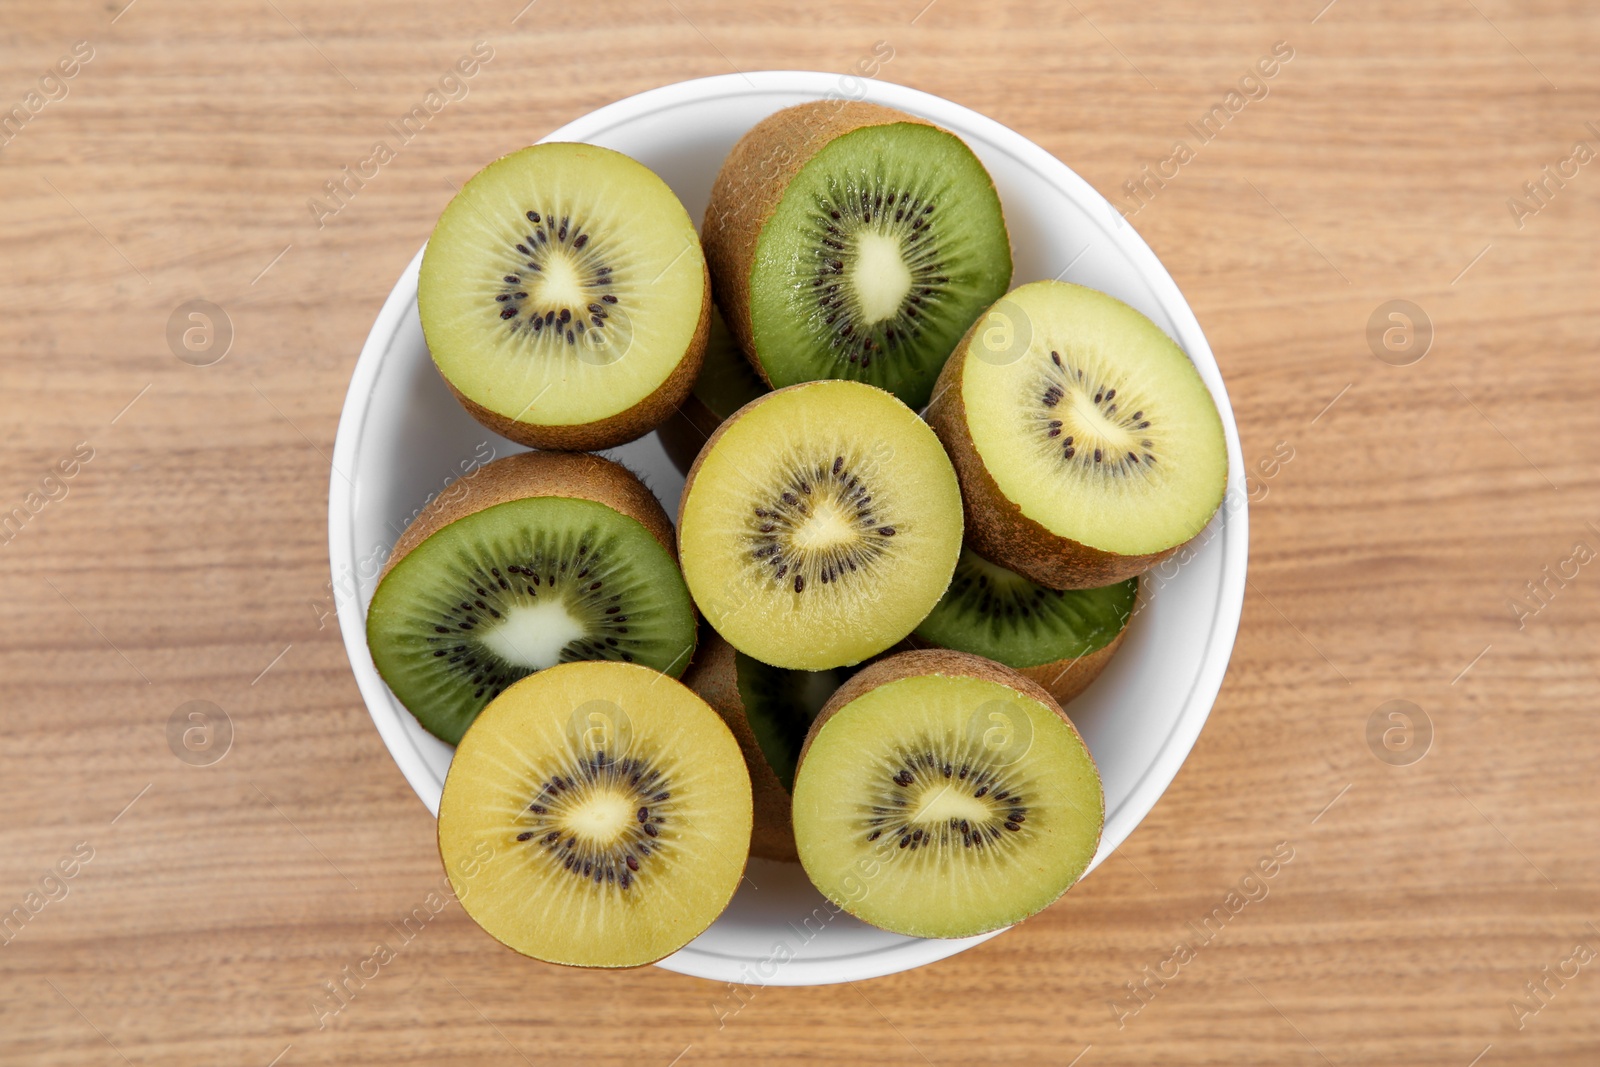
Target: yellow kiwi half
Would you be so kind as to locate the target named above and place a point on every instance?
(940, 794)
(565, 298)
(1087, 444)
(597, 815)
(819, 525)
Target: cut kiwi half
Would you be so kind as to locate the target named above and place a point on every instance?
(1088, 447)
(770, 710)
(565, 298)
(597, 815)
(940, 794)
(538, 559)
(819, 525)
(727, 383)
(849, 240)
(1059, 638)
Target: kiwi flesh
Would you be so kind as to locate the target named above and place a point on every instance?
(769, 709)
(564, 297)
(597, 814)
(1088, 447)
(819, 525)
(849, 240)
(1059, 638)
(940, 794)
(726, 383)
(540, 558)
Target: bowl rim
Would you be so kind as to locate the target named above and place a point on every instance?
(1232, 537)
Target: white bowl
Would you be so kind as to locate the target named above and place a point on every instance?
(402, 438)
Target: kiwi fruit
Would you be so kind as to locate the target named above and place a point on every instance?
(536, 559)
(564, 297)
(849, 240)
(597, 814)
(1060, 638)
(940, 794)
(819, 525)
(727, 383)
(1088, 447)
(769, 709)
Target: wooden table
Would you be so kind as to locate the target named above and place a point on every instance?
(185, 557)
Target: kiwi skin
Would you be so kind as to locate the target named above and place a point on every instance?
(1064, 679)
(928, 661)
(686, 431)
(995, 527)
(751, 184)
(714, 676)
(1067, 678)
(702, 419)
(616, 429)
(531, 474)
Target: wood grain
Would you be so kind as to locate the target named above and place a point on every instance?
(187, 559)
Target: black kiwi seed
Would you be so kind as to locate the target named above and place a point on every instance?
(835, 221)
(799, 495)
(534, 252)
(892, 799)
(604, 637)
(1113, 457)
(631, 778)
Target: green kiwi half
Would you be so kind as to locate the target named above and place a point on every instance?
(541, 558)
(1061, 639)
(849, 240)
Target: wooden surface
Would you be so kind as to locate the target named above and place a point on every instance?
(187, 559)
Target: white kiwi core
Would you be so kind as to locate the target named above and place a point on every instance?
(879, 276)
(533, 635)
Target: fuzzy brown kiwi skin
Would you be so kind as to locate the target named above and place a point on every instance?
(1063, 679)
(616, 429)
(1067, 678)
(686, 431)
(714, 675)
(751, 184)
(531, 474)
(930, 661)
(995, 527)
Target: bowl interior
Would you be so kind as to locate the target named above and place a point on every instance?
(403, 438)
